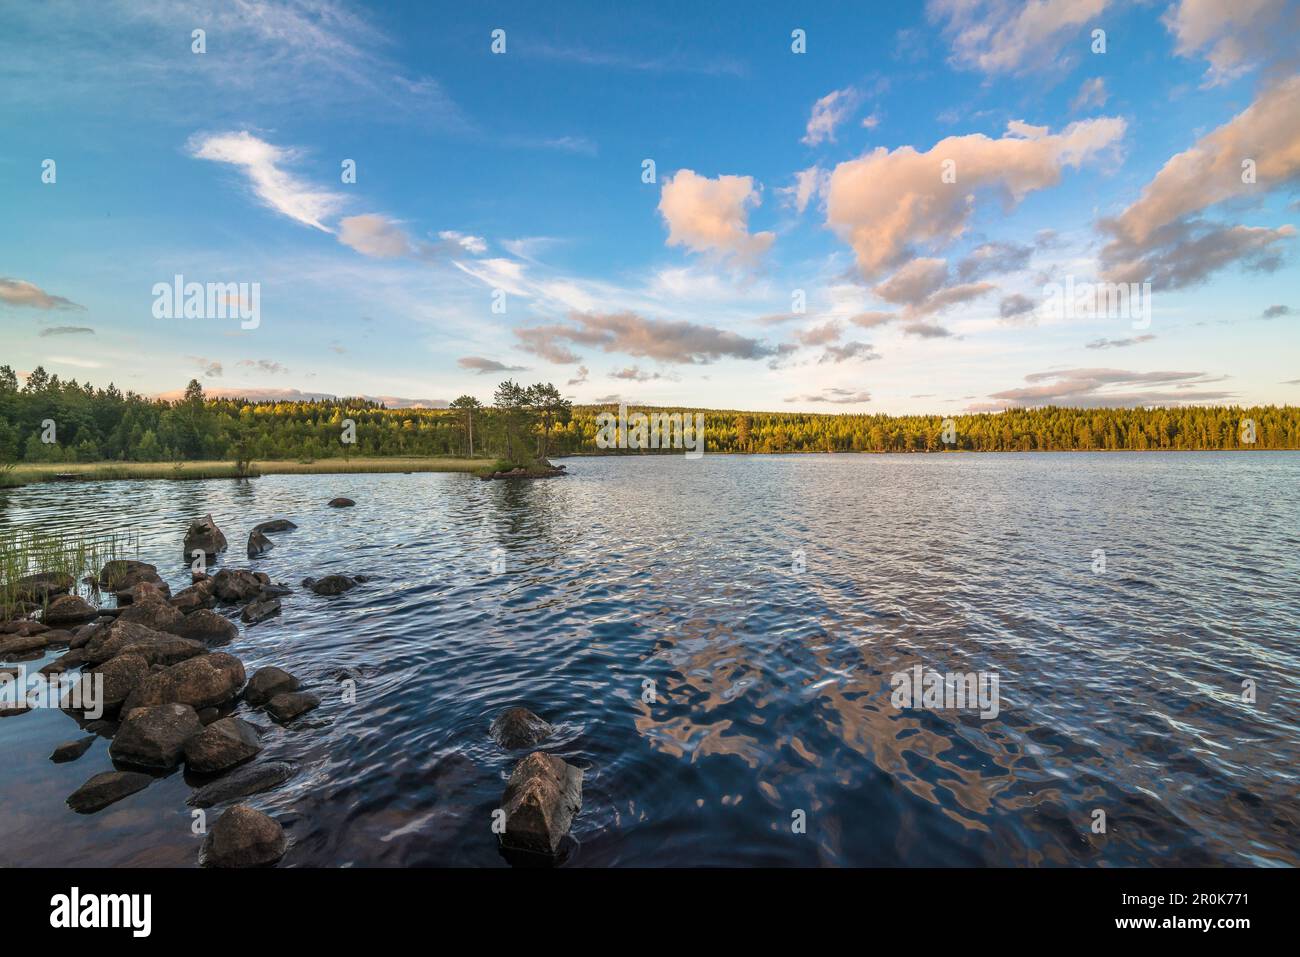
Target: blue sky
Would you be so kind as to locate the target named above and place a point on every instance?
(517, 178)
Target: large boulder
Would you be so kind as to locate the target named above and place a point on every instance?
(42, 586)
(21, 647)
(202, 682)
(207, 626)
(236, 585)
(69, 610)
(120, 674)
(154, 737)
(288, 705)
(542, 797)
(243, 837)
(275, 525)
(517, 728)
(258, 544)
(221, 745)
(167, 648)
(203, 535)
(153, 613)
(268, 682)
(105, 789)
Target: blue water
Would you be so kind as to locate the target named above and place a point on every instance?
(1120, 691)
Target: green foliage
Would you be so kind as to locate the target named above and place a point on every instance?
(525, 424)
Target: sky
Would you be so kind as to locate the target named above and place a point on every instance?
(831, 207)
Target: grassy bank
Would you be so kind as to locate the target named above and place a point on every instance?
(29, 473)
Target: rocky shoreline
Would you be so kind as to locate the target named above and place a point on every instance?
(165, 696)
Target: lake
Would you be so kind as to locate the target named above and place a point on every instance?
(715, 641)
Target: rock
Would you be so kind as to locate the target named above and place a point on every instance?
(260, 611)
(203, 535)
(274, 591)
(154, 737)
(288, 705)
(236, 585)
(207, 626)
(242, 782)
(330, 584)
(268, 682)
(42, 586)
(83, 635)
(105, 789)
(243, 837)
(167, 648)
(141, 591)
(202, 682)
(69, 610)
(542, 797)
(258, 544)
(121, 574)
(121, 674)
(26, 627)
(275, 525)
(221, 745)
(154, 613)
(71, 750)
(519, 728)
(21, 647)
(196, 596)
(57, 638)
(341, 502)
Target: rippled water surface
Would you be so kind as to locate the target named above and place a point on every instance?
(1120, 691)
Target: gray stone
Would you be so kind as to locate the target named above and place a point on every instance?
(207, 626)
(105, 789)
(204, 535)
(154, 737)
(242, 782)
(288, 705)
(69, 610)
(71, 750)
(275, 525)
(243, 837)
(257, 611)
(341, 502)
(519, 728)
(258, 544)
(202, 682)
(268, 682)
(221, 745)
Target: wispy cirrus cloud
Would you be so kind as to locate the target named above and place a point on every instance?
(20, 292)
(1099, 388)
(674, 341)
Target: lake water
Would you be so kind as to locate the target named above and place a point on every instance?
(768, 600)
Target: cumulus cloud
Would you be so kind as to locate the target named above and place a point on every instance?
(921, 288)
(885, 202)
(1158, 236)
(1234, 37)
(1099, 388)
(836, 396)
(20, 292)
(1011, 36)
(263, 164)
(481, 366)
(829, 112)
(675, 341)
(712, 215)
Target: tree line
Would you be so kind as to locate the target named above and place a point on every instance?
(49, 420)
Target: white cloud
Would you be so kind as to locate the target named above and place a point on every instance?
(262, 163)
(1011, 36)
(829, 112)
(712, 215)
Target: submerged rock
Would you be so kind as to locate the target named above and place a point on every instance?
(69, 610)
(275, 525)
(288, 705)
(257, 611)
(21, 647)
(243, 782)
(203, 535)
(243, 837)
(105, 789)
(221, 745)
(330, 584)
(341, 502)
(519, 728)
(154, 737)
(542, 797)
(202, 682)
(71, 750)
(258, 544)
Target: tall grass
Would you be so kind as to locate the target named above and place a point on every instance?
(31, 551)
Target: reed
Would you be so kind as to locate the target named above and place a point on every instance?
(27, 551)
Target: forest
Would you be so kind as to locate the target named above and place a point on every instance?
(50, 421)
